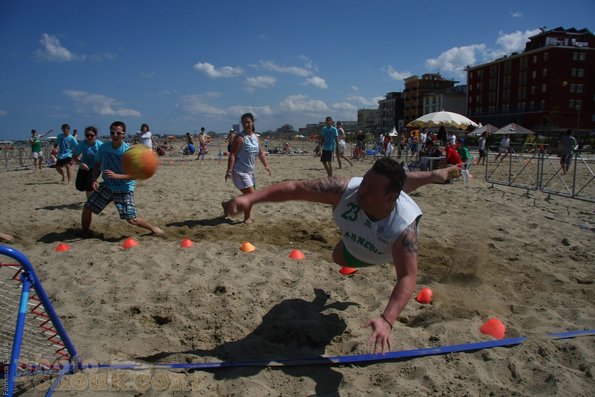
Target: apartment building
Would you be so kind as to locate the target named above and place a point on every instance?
(550, 86)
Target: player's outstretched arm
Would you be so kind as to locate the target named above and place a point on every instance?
(323, 190)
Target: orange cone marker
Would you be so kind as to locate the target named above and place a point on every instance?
(186, 243)
(62, 247)
(247, 247)
(129, 243)
(296, 254)
(347, 271)
(424, 296)
(493, 327)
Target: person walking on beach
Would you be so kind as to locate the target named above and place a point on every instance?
(84, 155)
(378, 221)
(330, 141)
(240, 164)
(482, 148)
(504, 149)
(146, 136)
(341, 145)
(66, 144)
(117, 186)
(567, 145)
(36, 150)
(202, 144)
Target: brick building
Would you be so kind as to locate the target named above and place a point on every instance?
(550, 86)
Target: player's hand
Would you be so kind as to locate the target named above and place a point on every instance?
(381, 333)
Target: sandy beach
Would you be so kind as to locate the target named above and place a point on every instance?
(486, 251)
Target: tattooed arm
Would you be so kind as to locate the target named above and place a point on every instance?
(323, 190)
(405, 258)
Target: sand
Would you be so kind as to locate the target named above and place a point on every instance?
(485, 252)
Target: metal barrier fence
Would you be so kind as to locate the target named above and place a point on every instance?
(542, 171)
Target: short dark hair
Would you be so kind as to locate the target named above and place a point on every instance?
(394, 171)
(92, 129)
(118, 124)
(145, 125)
(64, 126)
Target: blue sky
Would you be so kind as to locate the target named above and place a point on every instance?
(180, 65)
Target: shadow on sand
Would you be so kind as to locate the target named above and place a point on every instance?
(294, 328)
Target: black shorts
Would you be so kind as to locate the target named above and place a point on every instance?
(64, 161)
(482, 153)
(84, 180)
(327, 156)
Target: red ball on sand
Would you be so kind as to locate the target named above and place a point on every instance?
(347, 271)
(140, 162)
(129, 243)
(493, 327)
(62, 247)
(424, 296)
(296, 254)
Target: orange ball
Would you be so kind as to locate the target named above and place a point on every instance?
(140, 162)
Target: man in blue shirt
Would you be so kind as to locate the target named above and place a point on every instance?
(330, 142)
(66, 144)
(117, 186)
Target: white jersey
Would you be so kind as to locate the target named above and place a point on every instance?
(367, 240)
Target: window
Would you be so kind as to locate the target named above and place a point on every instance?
(545, 56)
(573, 72)
(533, 74)
(575, 56)
(542, 105)
(571, 104)
(534, 58)
(572, 87)
(580, 72)
(578, 104)
(544, 72)
(532, 90)
(506, 95)
(579, 88)
(523, 63)
(582, 56)
(522, 78)
(522, 93)
(532, 106)
(544, 88)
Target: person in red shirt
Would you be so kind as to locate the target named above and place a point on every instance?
(452, 156)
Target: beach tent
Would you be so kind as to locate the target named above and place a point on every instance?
(478, 131)
(393, 132)
(513, 129)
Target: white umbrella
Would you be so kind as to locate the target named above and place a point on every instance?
(442, 119)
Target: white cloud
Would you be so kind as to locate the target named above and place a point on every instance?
(513, 42)
(362, 101)
(302, 104)
(3, 113)
(355, 88)
(257, 111)
(455, 60)
(53, 51)
(295, 70)
(195, 104)
(316, 82)
(214, 73)
(344, 106)
(253, 83)
(516, 14)
(99, 104)
(396, 75)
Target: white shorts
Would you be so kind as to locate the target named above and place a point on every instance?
(37, 155)
(243, 180)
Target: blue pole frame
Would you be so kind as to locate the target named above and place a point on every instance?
(29, 279)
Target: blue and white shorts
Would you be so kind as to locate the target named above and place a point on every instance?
(124, 202)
